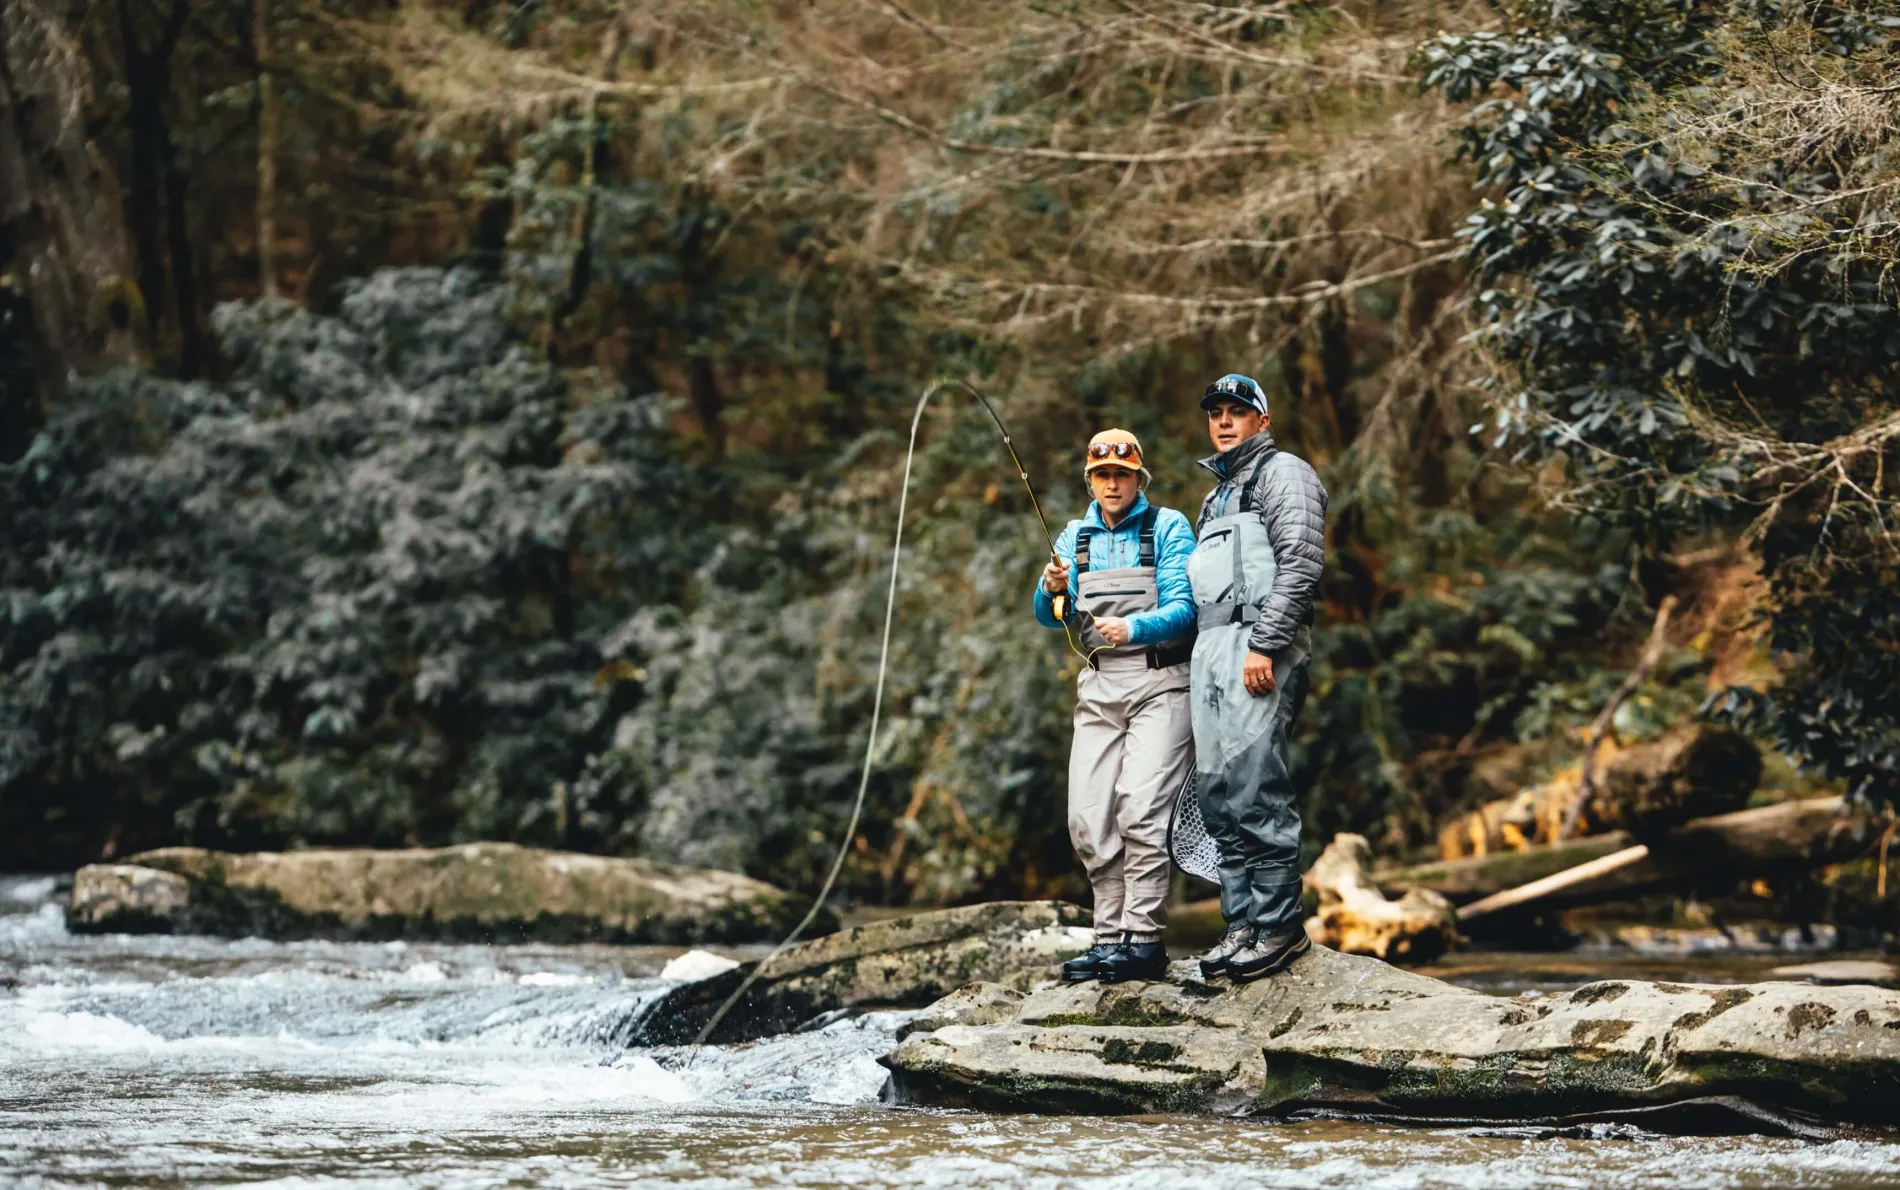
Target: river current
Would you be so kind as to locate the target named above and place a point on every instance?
(148, 1061)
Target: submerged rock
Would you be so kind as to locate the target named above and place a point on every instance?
(1347, 1034)
(905, 961)
(481, 892)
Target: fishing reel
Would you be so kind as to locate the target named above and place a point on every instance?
(1058, 603)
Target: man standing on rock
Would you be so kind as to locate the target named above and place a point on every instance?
(1119, 584)
(1255, 573)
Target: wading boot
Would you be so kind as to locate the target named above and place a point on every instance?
(1135, 960)
(1214, 962)
(1088, 964)
(1267, 954)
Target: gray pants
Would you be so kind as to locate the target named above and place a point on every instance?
(1252, 810)
(1134, 742)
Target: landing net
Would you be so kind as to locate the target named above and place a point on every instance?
(1193, 849)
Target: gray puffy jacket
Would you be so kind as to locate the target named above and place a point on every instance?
(1292, 504)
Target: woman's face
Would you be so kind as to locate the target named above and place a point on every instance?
(1115, 490)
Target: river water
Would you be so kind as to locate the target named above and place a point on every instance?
(147, 1061)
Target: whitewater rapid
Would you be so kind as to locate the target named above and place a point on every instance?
(149, 1061)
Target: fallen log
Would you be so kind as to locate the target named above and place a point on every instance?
(1355, 917)
(1696, 771)
(1552, 886)
(1524, 819)
(1788, 836)
(1343, 1034)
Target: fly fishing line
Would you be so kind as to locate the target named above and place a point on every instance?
(883, 665)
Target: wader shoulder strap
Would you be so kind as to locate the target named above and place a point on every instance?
(1240, 572)
(1083, 532)
(1247, 504)
(1253, 480)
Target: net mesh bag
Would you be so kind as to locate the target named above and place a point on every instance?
(1193, 849)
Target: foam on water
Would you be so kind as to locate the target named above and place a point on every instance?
(83, 1030)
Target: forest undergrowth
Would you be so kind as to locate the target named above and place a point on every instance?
(484, 420)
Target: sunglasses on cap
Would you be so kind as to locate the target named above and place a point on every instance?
(1121, 450)
(1233, 386)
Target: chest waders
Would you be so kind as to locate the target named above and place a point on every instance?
(1243, 789)
(1123, 591)
(1132, 750)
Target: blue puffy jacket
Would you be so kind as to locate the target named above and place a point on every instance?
(1110, 549)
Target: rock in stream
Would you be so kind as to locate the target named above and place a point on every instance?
(1349, 1034)
(480, 892)
(902, 962)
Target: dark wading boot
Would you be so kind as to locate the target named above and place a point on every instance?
(1088, 964)
(1267, 954)
(1214, 962)
(1135, 960)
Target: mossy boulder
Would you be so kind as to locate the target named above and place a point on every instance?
(1340, 1033)
(481, 892)
(905, 961)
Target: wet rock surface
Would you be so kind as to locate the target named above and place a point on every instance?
(1340, 1033)
(907, 961)
(480, 892)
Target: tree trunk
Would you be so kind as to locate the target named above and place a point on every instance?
(1792, 836)
(581, 272)
(699, 271)
(709, 404)
(65, 261)
(158, 228)
(266, 154)
(142, 211)
(184, 265)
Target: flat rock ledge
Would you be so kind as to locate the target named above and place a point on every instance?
(1340, 1034)
(480, 892)
(907, 961)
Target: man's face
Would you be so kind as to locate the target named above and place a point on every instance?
(1115, 489)
(1230, 422)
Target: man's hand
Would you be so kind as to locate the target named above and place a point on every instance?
(1055, 577)
(1114, 629)
(1258, 674)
